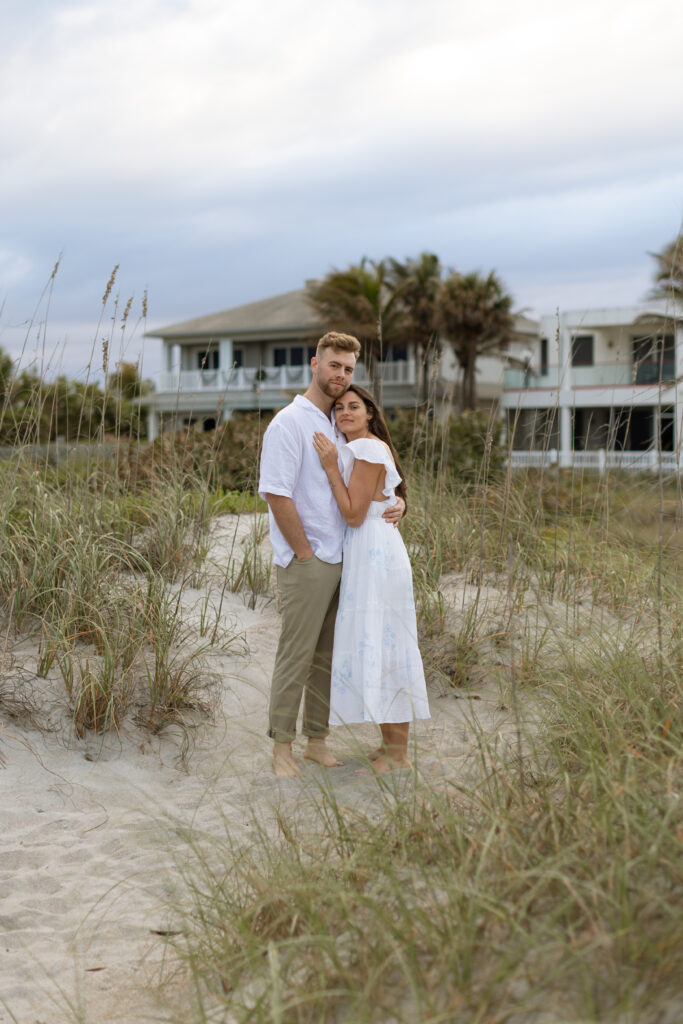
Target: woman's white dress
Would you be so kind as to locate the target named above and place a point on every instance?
(377, 673)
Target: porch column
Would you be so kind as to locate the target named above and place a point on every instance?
(565, 395)
(225, 357)
(152, 425)
(167, 361)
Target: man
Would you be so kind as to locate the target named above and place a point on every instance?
(306, 531)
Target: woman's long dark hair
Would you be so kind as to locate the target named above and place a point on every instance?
(379, 428)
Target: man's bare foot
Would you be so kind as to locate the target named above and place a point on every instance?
(375, 755)
(284, 765)
(386, 764)
(317, 751)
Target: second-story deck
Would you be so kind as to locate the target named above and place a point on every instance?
(616, 374)
(280, 378)
(211, 395)
(602, 385)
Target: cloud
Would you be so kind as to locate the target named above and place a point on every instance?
(180, 98)
(221, 151)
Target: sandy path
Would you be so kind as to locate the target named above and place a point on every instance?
(87, 845)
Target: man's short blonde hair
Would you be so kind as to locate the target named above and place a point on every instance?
(341, 342)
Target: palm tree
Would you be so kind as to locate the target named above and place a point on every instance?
(669, 275)
(361, 301)
(474, 316)
(416, 283)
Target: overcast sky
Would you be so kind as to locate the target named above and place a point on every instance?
(221, 152)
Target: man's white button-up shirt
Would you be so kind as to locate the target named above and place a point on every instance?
(290, 467)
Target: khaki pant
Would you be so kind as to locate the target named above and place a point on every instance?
(309, 594)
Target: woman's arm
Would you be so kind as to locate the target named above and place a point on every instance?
(355, 499)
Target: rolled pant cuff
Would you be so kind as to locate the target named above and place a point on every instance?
(321, 735)
(281, 737)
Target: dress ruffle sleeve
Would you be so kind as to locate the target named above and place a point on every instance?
(367, 449)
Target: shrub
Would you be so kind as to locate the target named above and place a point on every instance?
(462, 449)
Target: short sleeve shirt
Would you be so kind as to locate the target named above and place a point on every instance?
(290, 467)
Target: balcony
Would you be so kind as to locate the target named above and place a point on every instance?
(623, 374)
(650, 461)
(269, 378)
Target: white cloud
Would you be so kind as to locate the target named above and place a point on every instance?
(220, 150)
(184, 97)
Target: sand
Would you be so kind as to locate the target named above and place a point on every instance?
(91, 828)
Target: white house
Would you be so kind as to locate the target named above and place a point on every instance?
(604, 388)
(257, 356)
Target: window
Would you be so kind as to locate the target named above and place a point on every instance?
(544, 357)
(582, 350)
(293, 355)
(654, 358)
(238, 357)
(667, 430)
(208, 360)
(397, 354)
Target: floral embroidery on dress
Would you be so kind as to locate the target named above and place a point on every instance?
(375, 556)
(389, 637)
(341, 674)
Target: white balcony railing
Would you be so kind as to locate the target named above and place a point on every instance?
(601, 375)
(637, 462)
(284, 378)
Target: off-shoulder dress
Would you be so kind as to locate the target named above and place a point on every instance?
(377, 673)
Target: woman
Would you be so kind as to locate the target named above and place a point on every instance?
(377, 673)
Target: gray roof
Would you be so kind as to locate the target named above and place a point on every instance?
(523, 325)
(287, 312)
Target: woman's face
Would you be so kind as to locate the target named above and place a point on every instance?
(351, 415)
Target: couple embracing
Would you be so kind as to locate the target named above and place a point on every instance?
(333, 484)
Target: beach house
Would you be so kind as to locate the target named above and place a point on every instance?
(604, 387)
(257, 356)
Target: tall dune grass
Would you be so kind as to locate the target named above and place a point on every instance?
(99, 538)
(542, 881)
(546, 887)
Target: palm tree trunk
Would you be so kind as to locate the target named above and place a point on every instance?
(469, 382)
(424, 379)
(372, 370)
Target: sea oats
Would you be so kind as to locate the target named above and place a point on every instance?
(110, 284)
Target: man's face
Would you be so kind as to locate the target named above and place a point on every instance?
(333, 371)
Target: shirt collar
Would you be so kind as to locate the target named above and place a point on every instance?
(306, 403)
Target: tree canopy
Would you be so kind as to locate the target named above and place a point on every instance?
(669, 272)
(362, 302)
(416, 283)
(391, 302)
(474, 314)
(33, 410)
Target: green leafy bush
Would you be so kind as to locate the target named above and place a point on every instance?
(464, 448)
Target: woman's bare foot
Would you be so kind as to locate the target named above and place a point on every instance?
(393, 753)
(386, 764)
(317, 751)
(284, 765)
